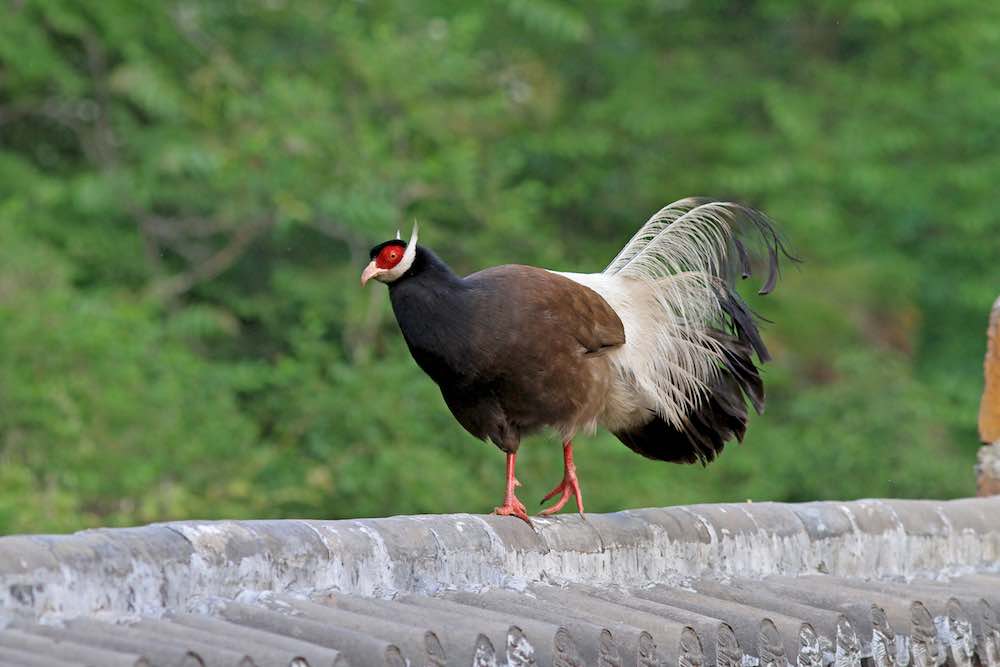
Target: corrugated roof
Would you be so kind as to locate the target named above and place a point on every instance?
(892, 583)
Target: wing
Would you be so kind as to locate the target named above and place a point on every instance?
(541, 304)
(588, 317)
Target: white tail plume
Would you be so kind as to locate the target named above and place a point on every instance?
(672, 286)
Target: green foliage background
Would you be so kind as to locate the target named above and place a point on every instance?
(188, 191)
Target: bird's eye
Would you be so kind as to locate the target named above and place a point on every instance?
(389, 257)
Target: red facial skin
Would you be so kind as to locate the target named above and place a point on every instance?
(389, 256)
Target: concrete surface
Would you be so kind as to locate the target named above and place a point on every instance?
(893, 582)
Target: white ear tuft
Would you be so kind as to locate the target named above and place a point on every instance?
(406, 262)
(398, 235)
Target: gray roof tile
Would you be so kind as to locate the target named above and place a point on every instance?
(898, 582)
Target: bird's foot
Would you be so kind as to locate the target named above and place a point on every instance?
(516, 509)
(570, 485)
(513, 507)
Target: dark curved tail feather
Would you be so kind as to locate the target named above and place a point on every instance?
(721, 416)
(755, 227)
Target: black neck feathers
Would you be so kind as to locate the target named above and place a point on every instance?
(433, 308)
(428, 269)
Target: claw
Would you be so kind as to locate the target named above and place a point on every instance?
(553, 492)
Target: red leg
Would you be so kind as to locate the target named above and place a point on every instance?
(511, 505)
(569, 484)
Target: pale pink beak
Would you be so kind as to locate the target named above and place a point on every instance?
(370, 272)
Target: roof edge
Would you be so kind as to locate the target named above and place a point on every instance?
(126, 572)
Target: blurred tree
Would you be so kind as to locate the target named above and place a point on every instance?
(188, 191)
